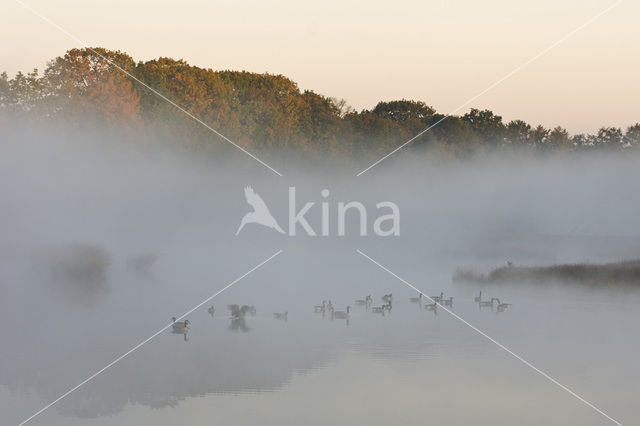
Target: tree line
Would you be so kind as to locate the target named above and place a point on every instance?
(261, 111)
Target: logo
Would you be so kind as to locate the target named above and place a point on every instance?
(384, 225)
(260, 213)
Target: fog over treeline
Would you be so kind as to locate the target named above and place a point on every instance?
(262, 112)
(118, 212)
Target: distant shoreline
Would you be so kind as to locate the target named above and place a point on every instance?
(607, 274)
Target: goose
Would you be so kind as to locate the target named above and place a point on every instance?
(448, 302)
(438, 299)
(501, 306)
(387, 297)
(251, 310)
(282, 316)
(431, 306)
(211, 310)
(483, 303)
(320, 308)
(241, 311)
(341, 314)
(478, 297)
(378, 309)
(180, 326)
(416, 299)
(360, 302)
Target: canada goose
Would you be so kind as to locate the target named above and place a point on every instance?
(501, 306)
(241, 311)
(438, 299)
(251, 310)
(364, 302)
(211, 310)
(341, 314)
(378, 309)
(330, 306)
(320, 308)
(416, 299)
(431, 306)
(478, 297)
(282, 316)
(180, 326)
(448, 302)
(483, 303)
(387, 297)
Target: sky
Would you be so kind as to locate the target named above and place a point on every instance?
(440, 52)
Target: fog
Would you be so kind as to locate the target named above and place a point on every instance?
(60, 191)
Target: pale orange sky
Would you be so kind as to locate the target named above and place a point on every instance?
(441, 52)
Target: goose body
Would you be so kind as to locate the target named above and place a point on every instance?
(211, 310)
(180, 326)
(431, 306)
(486, 303)
(501, 306)
(416, 299)
(320, 308)
(438, 299)
(378, 309)
(341, 314)
(282, 316)
(447, 302)
(387, 298)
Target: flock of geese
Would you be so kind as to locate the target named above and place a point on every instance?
(238, 313)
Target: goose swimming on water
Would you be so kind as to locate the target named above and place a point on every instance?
(438, 299)
(181, 326)
(341, 314)
(501, 306)
(282, 316)
(416, 299)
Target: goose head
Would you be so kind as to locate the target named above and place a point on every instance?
(173, 319)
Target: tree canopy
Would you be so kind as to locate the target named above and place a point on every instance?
(265, 111)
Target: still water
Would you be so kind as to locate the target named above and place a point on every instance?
(410, 366)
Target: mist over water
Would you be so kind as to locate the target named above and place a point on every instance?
(409, 366)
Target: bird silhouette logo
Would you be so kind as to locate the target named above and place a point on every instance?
(260, 213)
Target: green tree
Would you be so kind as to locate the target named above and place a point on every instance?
(486, 124)
(518, 132)
(558, 138)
